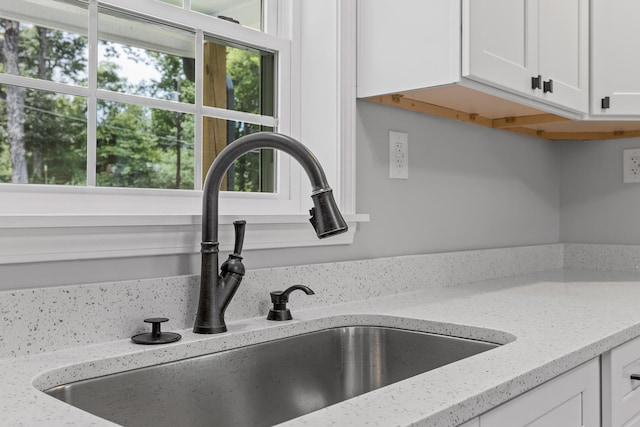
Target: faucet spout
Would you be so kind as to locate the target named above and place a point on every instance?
(217, 290)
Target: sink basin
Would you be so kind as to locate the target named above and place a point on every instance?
(268, 383)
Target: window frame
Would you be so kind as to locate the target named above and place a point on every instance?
(67, 214)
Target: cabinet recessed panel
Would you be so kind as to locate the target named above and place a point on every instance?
(499, 43)
(563, 46)
(505, 37)
(615, 44)
(620, 393)
(559, 41)
(571, 400)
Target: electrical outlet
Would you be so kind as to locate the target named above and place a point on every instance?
(398, 155)
(631, 165)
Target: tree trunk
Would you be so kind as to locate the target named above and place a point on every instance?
(15, 105)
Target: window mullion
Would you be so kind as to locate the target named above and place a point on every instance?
(270, 19)
(239, 116)
(163, 104)
(92, 100)
(30, 82)
(197, 147)
(188, 19)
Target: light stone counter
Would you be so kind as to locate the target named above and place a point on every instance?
(549, 323)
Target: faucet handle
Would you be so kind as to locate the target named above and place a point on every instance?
(233, 264)
(280, 300)
(239, 227)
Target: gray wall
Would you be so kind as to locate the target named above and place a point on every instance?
(597, 207)
(468, 188)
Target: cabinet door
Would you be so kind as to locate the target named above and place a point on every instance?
(407, 45)
(571, 400)
(563, 42)
(500, 43)
(621, 393)
(615, 68)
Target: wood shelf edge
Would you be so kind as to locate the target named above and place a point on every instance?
(529, 125)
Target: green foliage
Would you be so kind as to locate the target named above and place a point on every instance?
(55, 124)
(243, 68)
(136, 146)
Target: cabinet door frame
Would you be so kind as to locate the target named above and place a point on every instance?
(621, 394)
(482, 65)
(571, 94)
(607, 34)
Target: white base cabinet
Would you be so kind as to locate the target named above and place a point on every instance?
(570, 400)
(621, 393)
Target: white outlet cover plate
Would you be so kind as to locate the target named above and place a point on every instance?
(631, 165)
(398, 155)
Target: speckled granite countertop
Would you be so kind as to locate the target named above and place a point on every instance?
(549, 322)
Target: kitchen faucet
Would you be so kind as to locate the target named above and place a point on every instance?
(217, 290)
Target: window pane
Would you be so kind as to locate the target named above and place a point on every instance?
(252, 172)
(143, 147)
(245, 12)
(144, 58)
(238, 79)
(42, 137)
(54, 49)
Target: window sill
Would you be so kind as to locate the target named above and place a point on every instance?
(44, 238)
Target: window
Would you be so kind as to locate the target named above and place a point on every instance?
(120, 130)
(129, 117)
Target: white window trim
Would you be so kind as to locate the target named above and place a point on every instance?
(45, 238)
(92, 223)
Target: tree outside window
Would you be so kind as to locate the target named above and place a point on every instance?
(43, 134)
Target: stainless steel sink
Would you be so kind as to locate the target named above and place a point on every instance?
(267, 383)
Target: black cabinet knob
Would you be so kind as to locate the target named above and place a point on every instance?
(156, 336)
(536, 82)
(605, 103)
(547, 86)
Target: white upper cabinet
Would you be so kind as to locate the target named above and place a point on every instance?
(539, 68)
(500, 44)
(493, 46)
(406, 45)
(535, 48)
(615, 44)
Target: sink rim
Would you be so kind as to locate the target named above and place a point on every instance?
(194, 345)
(337, 364)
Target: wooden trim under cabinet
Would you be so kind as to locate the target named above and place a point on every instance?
(468, 105)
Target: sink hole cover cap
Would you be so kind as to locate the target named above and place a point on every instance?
(156, 336)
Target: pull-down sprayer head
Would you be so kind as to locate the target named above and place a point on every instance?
(325, 215)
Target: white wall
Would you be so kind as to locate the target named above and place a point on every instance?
(468, 188)
(597, 207)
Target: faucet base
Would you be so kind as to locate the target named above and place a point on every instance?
(209, 329)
